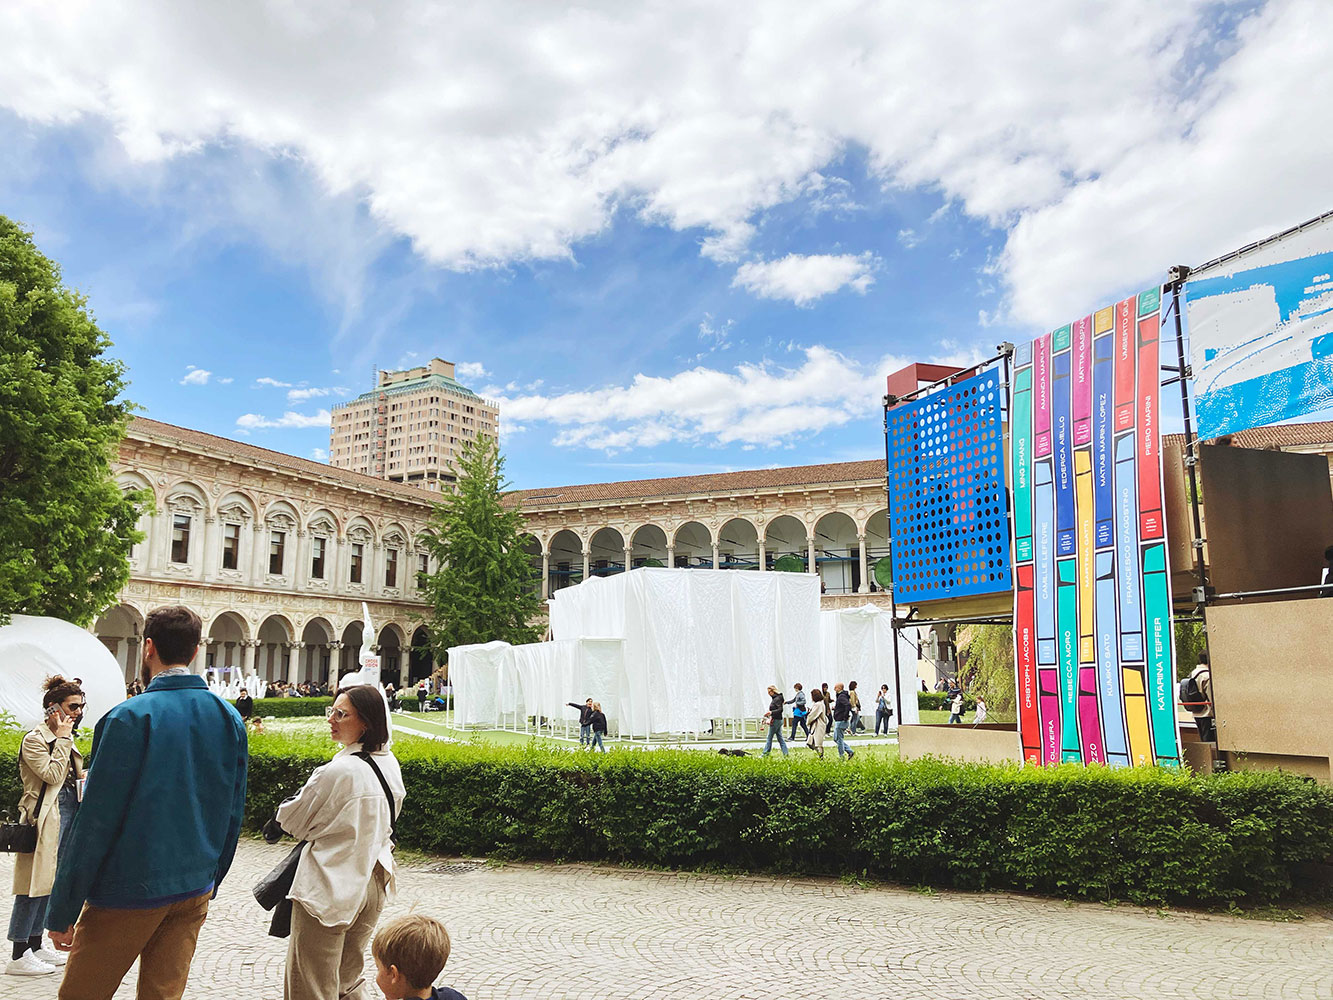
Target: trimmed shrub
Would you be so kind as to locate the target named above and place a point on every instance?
(290, 708)
(938, 701)
(1145, 835)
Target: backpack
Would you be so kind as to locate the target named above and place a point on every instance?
(1189, 694)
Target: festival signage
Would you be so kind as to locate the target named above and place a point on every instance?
(1261, 332)
(1093, 641)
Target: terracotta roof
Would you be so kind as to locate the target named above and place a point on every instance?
(748, 481)
(141, 428)
(1320, 432)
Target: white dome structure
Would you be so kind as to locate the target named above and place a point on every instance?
(32, 649)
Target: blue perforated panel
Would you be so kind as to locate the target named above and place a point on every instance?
(946, 492)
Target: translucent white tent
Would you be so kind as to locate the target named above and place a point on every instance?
(32, 649)
(856, 644)
(530, 687)
(699, 645)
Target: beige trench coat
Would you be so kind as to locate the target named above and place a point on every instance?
(817, 720)
(35, 873)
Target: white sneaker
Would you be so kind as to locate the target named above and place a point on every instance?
(29, 965)
(50, 956)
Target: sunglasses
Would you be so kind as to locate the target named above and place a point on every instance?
(341, 714)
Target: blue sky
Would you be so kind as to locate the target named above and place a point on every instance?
(680, 239)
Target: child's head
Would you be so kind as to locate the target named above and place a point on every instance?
(409, 953)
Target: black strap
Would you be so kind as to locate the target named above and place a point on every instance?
(393, 813)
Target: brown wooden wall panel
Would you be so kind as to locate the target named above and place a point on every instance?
(1179, 521)
(1268, 517)
(1272, 667)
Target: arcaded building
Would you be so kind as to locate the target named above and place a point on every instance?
(275, 553)
(411, 427)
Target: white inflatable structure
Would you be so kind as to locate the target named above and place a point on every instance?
(857, 645)
(32, 649)
(675, 651)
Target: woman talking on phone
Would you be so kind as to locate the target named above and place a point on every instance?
(50, 769)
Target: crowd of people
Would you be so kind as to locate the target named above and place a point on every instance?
(129, 853)
(819, 712)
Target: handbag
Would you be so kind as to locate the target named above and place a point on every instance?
(21, 838)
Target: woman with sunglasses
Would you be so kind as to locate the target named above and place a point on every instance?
(346, 871)
(50, 768)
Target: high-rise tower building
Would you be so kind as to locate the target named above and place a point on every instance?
(411, 427)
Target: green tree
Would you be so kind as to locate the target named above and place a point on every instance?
(486, 587)
(66, 528)
(988, 667)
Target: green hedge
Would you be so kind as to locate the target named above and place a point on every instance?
(290, 708)
(1144, 835)
(938, 701)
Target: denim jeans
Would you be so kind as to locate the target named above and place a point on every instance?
(798, 720)
(585, 735)
(775, 729)
(28, 917)
(882, 716)
(839, 731)
(855, 723)
(597, 742)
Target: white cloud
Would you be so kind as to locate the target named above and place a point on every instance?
(272, 383)
(762, 404)
(804, 278)
(254, 421)
(470, 369)
(503, 132)
(226, 381)
(301, 395)
(195, 376)
(319, 455)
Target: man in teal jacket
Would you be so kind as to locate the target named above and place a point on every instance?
(157, 828)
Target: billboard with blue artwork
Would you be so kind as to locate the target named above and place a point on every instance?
(1261, 332)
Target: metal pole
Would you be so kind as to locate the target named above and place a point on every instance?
(1178, 276)
(893, 577)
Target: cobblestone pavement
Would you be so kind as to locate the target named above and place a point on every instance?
(551, 932)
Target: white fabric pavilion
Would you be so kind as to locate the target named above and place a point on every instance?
(856, 644)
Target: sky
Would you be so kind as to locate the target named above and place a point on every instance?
(669, 238)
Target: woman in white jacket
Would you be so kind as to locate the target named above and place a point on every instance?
(347, 869)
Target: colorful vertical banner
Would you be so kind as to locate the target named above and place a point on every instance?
(1093, 638)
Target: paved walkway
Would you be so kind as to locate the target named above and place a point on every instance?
(560, 932)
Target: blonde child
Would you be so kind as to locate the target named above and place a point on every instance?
(409, 953)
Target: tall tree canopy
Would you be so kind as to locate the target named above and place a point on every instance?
(485, 588)
(65, 526)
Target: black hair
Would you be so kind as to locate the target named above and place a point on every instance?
(851, 685)
(175, 632)
(369, 705)
(1203, 657)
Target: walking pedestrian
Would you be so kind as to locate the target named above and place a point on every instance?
(818, 721)
(245, 705)
(156, 832)
(799, 711)
(597, 726)
(49, 767)
(422, 692)
(585, 721)
(345, 813)
(773, 718)
(854, 723)
(956, 709)
(980, 715)
(883, 709)
(842, 714)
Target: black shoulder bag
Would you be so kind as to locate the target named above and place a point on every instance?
(21, 838)
(273, 889)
